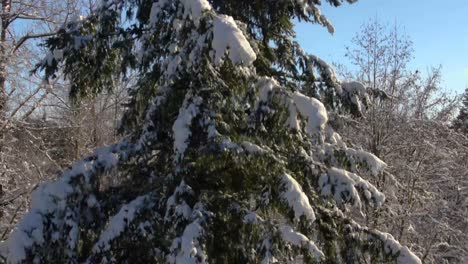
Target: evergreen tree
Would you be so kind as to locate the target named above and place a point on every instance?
(461, 122)
(230, 156)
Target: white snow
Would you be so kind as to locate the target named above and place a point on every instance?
(252, 218)
(310, 8)
(172, 65)
(298, 239)
(106, 158)
(181, 127)
(253, 148)
(58, 54)
(354, 87)
(212, 131)
(313, 109)
(156, 11)
(190, 251)
(334, 138)
(327, 70)
(45, 199)
(173, 204)
(355, 91)
(345, 186)
(194, 9)
(355, 156)
(119, 223)
(51, 198)
(296, 198)
(266, 86)
(227, 37)
(392, 247)
(374, 164)
(269, 258)
(49, 59)
(293, 122)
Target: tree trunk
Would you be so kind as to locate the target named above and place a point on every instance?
(5, 17)
(5, 20)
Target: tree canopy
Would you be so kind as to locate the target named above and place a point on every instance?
(230, 155)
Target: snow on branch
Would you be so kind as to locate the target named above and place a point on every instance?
(51, 200)
(297, 239)
(354, 157)
(343, 186)
(181, 127)
(313, 109)
(194, 9)
(227, 37)
(298, 104)
(188, 248)
(296, 198)
(120, 222)
(393, 248)
(177, 206)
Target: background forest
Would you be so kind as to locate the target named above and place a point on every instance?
(404, 116)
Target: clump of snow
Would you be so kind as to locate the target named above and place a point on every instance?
(298, 239)
(293, 122)
(212, 131)
(49, 59)
(227, 37)
(106, 157)
(296, 198)
(172, 65)
(354, 87)
(156, 10)
(355, 156)
(342, 186)
(266, 85)
(393, 247)
(266, 247)
(311, 108)
(46, 199)
(326, 71)
(119, 223)
(181, 127)
(189, 248)
(335, 138)
(174, 205)
(355, 91)
(252, 218)
(197, 50)
(194, 9)
(310, 8)
(253, 148)
(20, 240)
(58, 54)
(374, 164)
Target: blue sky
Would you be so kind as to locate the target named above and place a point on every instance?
(438, 29)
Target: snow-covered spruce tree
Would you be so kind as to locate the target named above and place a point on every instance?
(461, 122)
(228, 160)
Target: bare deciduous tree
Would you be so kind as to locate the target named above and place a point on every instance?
(408, 129)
